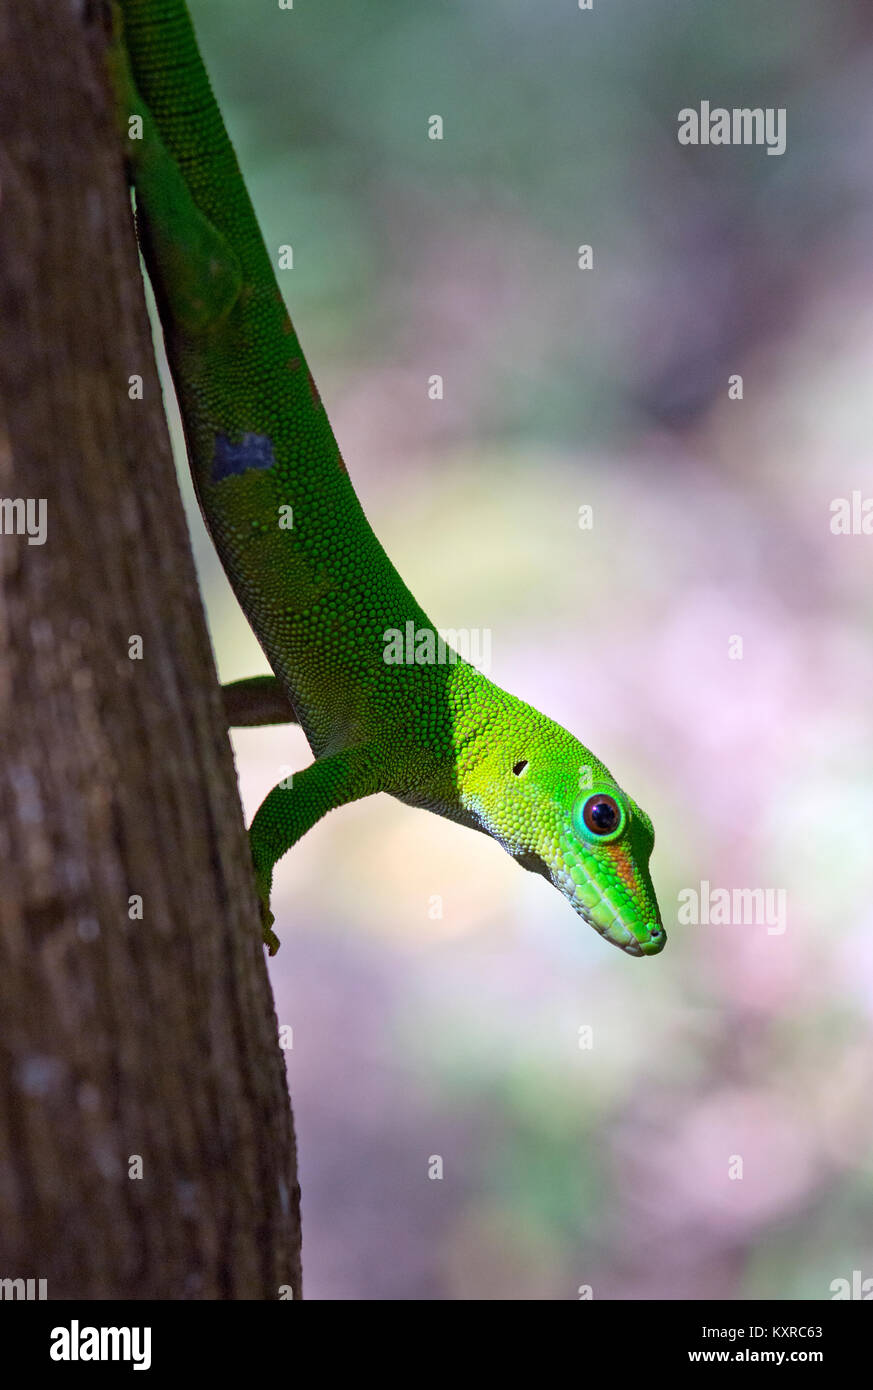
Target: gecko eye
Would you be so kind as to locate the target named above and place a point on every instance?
(601, 814)
(519, 767)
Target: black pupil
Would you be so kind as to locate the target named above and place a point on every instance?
(604, 815)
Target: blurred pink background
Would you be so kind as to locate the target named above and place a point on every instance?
(613, 1166)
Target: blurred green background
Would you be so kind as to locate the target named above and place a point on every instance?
(458, 1036)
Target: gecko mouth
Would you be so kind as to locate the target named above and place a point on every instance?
(597, 911)
(615, 932)
(604, 919)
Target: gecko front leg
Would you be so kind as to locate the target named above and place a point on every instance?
(294, 806)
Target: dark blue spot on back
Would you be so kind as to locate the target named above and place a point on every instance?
(252, 451)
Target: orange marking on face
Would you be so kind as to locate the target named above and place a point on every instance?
(342, 464)
(623, 866)
(314, 389)
(294, 364)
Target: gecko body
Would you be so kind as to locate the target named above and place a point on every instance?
(315, 583)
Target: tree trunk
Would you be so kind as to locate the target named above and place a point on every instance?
(146, 1139)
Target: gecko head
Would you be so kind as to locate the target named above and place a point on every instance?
(560, 813)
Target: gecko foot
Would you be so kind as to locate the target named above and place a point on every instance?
(271, 940)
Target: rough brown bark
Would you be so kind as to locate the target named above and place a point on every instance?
(118, 1037)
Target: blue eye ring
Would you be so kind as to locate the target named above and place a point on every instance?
(599, 816)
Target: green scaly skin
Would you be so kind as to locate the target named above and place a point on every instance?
(322, 594)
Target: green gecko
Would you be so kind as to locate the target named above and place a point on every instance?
(314, 582)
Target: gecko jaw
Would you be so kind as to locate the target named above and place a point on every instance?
(601, 917)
